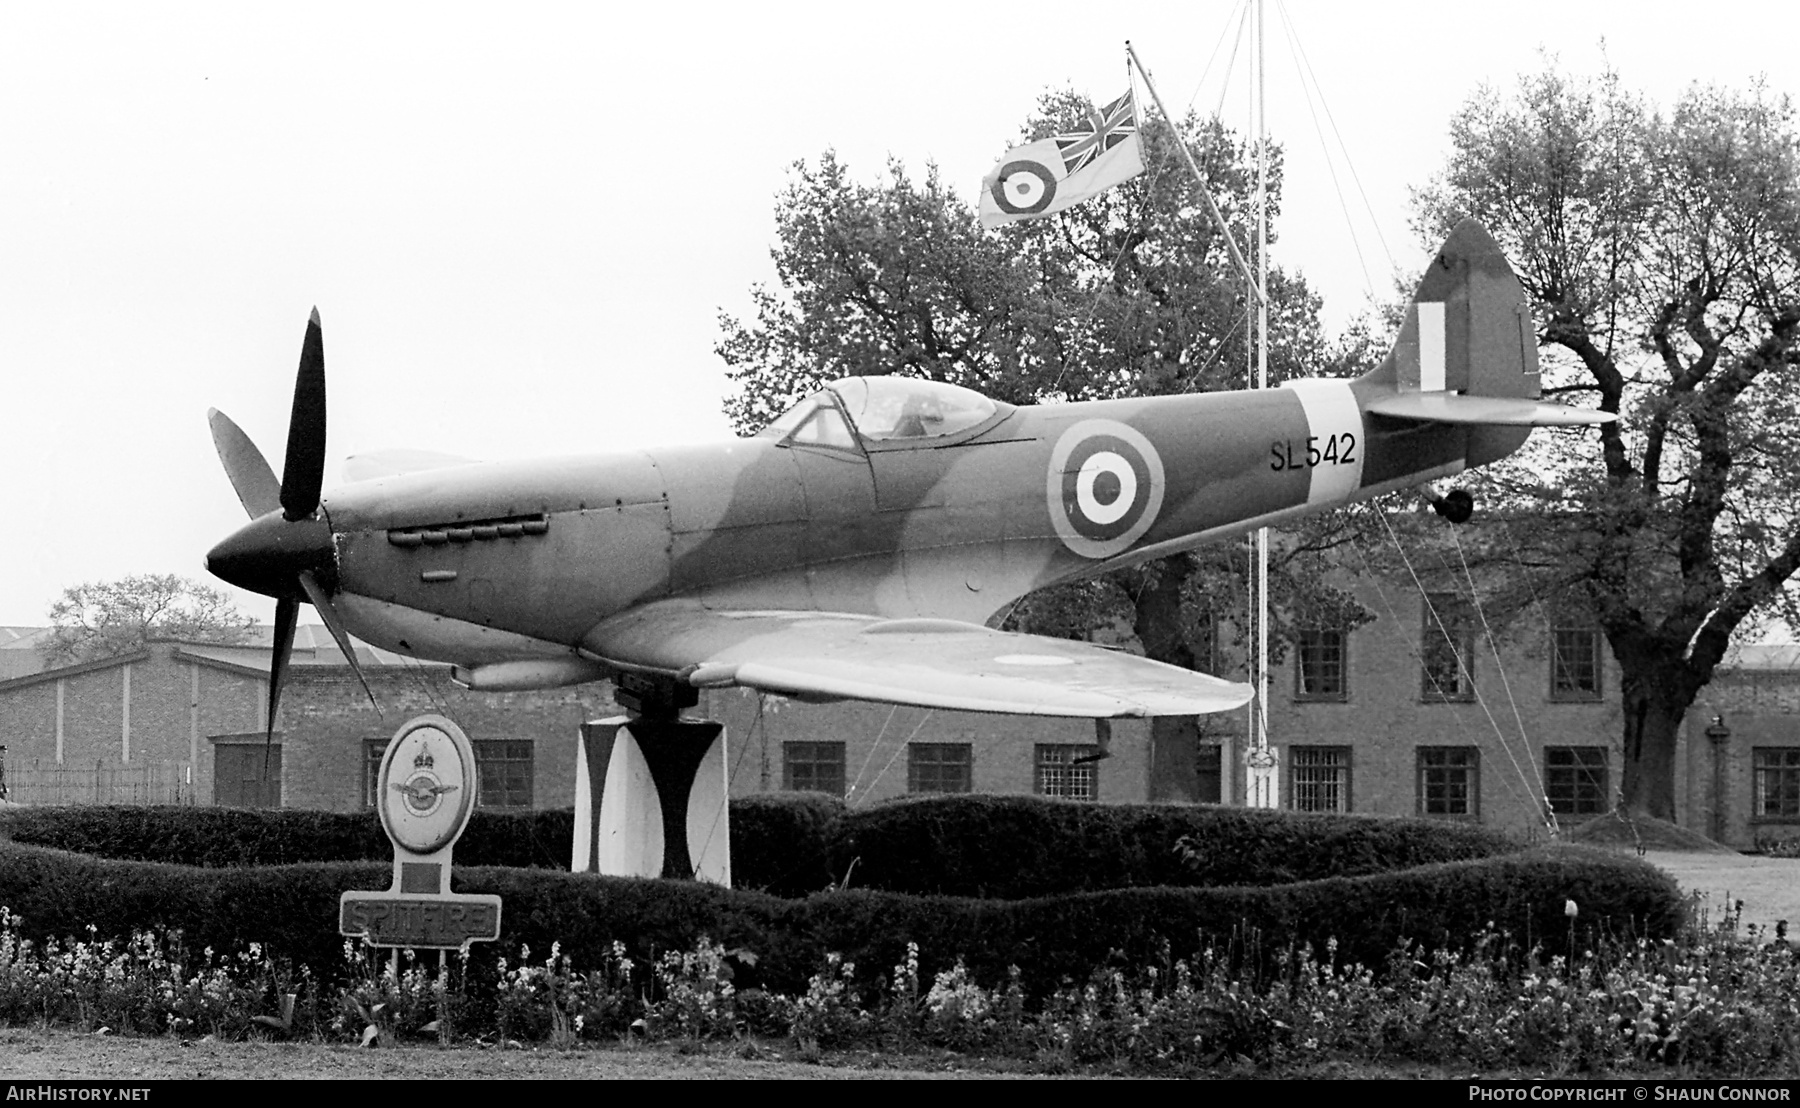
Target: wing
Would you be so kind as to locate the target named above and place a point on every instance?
(932, 663)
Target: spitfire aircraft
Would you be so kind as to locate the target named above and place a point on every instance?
(861, 545)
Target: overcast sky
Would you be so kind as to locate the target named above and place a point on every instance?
(520, 224)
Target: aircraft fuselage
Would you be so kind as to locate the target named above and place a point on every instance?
(484, 563)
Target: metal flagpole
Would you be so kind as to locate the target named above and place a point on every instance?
(1264, 791)
(1261, 784)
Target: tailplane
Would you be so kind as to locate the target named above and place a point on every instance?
(1467, 352)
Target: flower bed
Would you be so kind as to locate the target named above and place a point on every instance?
(1706, 1004)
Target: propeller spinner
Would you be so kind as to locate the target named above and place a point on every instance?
(286, 550)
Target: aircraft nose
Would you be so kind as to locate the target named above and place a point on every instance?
(268, 554)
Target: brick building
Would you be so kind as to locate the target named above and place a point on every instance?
(1411, 713)
(1740, 770)
(182, 722)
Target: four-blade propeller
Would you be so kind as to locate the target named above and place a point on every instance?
(286, 550)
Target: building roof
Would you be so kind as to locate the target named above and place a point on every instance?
(21, 657)
(313, 646)
(74, 670)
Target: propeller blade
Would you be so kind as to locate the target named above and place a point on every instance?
(287, 614)
(303, 473)
(316, 594)
(257, 489)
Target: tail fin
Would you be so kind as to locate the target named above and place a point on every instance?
(1468, 329)
(1467, 352)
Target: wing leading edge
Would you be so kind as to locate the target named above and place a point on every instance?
(930, 663)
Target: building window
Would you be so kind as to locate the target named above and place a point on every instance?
(505, 766)
(1777, 782)
(1446, 649)
(1320, 672)
(1320, 777)
(939, 767)
(1209, 769)
(1575, 779)
(507, 769)
(813, 767)
(1574, 662)
(1064, 770)
(1449, 781)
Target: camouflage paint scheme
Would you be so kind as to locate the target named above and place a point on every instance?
(704, 563)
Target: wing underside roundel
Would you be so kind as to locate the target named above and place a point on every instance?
(930, 663)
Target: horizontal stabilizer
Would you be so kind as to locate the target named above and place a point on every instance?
(930, 663)
(1506, 411)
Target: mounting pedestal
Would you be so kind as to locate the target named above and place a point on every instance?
(652, 799)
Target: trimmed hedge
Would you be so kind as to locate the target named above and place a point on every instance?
(293, 909)
(796, 844)
(1014, 847)
(782, 843)
(217, 837)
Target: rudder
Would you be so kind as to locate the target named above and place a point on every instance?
(1468, 328)
(1468, 331)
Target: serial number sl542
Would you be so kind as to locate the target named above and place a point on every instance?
(1320, 450)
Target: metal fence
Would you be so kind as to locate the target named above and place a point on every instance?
(102, 782)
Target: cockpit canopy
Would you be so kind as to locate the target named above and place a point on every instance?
(882, 410)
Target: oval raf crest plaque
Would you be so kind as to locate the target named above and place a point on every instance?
(428, 782)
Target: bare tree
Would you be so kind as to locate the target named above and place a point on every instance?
(1663, 256)
(108, 618)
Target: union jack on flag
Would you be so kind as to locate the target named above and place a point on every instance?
(1107, 128)
(1047, 175)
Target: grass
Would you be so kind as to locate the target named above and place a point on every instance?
(44, 1053)
(1614, 829)
(55, 1054)
(1767, 886)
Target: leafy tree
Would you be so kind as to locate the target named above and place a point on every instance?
(1663, 255)
(109, 618)
(1132, 293)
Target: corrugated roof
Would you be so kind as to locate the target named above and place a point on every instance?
(19, 655)
(313, 646)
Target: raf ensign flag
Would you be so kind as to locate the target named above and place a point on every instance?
(1046, 176)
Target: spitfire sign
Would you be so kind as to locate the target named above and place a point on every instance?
(427, 790)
